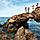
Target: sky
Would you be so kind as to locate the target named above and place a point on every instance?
(10, 8)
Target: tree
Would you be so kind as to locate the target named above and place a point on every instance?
(25, 9)
(33, 7)
(37, 5)
(28, 9)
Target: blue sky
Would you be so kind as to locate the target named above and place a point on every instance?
(9, 8)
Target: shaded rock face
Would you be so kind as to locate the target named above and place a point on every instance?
(24, 34)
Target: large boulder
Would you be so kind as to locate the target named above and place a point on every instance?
(24, 34)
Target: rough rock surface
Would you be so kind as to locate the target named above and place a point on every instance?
(36, 13)
(15, 22)
(26, 16)
(19, 20)
(24, 34)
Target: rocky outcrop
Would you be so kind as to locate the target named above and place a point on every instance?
(20, 20)
(17, 21)
(24, 17)
(24, 34)
(36, 14)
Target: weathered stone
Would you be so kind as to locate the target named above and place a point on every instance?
(24, 34)
(36, 14)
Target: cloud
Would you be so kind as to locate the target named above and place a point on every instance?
(12, 7)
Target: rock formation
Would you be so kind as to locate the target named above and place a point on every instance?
(36, 14)
(15, 22)
(24, 34)
(20, 20)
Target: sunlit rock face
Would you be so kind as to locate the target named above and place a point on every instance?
(24, 34)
